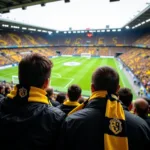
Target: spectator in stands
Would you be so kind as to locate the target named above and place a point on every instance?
(61, 97)
(74, 93)
(26, 119)
(148, 100)
(141, 108)
(1, 91)
(126, 96)
(81, 100)
(101, 123)
(50, 93)
(7, 90)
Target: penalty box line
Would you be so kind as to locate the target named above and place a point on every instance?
(71, 80)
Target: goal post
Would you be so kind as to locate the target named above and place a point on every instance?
(15, 80)
(87, 55)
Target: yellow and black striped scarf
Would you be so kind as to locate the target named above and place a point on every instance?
(115, 137)
(29, 94)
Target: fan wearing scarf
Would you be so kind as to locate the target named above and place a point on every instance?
(27, 119)
(73, 94)
(101, 123)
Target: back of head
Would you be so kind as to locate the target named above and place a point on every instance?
(105, 78)
(50, 91)
(34, 69)
(61, 97)
(74, 92)
(141, 107)
(7, 90)
(1, 89)
(126, 96)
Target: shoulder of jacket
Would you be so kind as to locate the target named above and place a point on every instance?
(56, 112)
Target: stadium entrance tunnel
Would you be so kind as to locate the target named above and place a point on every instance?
(72, 64)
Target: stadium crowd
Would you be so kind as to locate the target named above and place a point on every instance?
(138, 60)
(32, 117)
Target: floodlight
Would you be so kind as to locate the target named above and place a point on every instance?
(114, 30)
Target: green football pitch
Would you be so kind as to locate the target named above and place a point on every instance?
(73, 70)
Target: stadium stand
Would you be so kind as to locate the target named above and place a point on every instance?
(138, 60)
(105, 45)
(20, 39)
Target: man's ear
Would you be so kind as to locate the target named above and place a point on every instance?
(130, 107)
(118, 88)
(46, 84)
(92, 88)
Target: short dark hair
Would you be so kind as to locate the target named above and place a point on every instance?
(74, 92)
(105, 78)
(126, 96)
(34, 69)
(1, 88)
(49, 91)
(61, 97)
(7, 90)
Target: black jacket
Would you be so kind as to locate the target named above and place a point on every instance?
(68, 106)
(66, 109)
(147, 119)
(85, 129)
(54, 102)
(28, 125)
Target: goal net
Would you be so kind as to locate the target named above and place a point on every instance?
(87, 55)
(15, 80)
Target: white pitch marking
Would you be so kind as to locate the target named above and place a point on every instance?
(119, 71)
(8, 74)
(69, 82)
(57, 75)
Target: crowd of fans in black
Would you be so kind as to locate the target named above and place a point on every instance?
(32, 117)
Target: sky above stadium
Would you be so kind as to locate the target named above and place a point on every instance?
(80, 14)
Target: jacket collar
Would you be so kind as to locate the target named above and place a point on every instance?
(28, 94)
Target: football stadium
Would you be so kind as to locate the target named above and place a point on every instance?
(82, 40)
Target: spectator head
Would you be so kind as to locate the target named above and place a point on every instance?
(7, 90)
(148, 100)
(126, 96)
(74, 92)
(81, 100)
(141, 107)
(50, 91)
(35, 70)
(61, 98)
(1, 89)
(105, 78)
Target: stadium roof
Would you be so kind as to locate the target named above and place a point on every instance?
(91, 14)
(6, 5)
(141, 20)
(15, 25)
